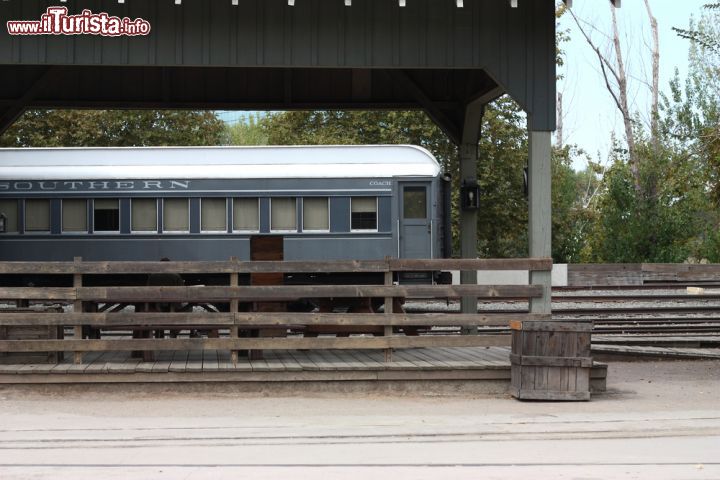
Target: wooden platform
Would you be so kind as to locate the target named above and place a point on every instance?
(657, 351)
(437, 364)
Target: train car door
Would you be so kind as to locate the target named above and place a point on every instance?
(414, 219)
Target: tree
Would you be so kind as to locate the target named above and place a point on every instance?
(572, 196)
(248, 132)
(665, 227)
(615, 76)
(693, 110)
(112, 128)
(705, 35)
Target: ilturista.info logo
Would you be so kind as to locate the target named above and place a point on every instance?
(56, 21)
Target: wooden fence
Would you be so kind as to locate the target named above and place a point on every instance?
(642, 274)
(101, 309)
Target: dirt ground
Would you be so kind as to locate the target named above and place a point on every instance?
(657, 420)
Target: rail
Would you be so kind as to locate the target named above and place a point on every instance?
(97, 311)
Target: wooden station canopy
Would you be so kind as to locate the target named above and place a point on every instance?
(439, 55)
(448, 57)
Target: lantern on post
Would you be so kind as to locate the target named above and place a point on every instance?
(470, 195)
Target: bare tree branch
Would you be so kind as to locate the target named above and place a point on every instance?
(604, 64)
(655, 110)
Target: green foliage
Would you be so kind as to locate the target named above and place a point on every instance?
(705, 35)
(692, 123)
(111, 128)
(663, 222)
(571, 216)
(247, 133)
(503, 154)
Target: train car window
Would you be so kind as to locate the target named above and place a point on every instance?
(37, 215)
(176, 215)
(213, 215)
(74, 215)
(246, 215)
(143, 212)
(414, 202)
(363, 213)
(316, 214)
(283, 214)
(9, 210)
(106, 215)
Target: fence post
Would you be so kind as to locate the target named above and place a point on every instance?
(388, 329)
(234, 304)
(77, 308)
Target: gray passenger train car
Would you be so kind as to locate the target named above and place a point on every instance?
(205, 203)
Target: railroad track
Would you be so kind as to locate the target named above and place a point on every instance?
(658, 320)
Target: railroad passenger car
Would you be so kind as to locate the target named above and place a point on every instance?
(205, 203)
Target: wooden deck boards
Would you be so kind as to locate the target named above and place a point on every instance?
(465, 363)
(280, 360)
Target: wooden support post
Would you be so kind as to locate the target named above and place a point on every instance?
(468, 217)
(77, 308)
(388, 311)
(540, 214)
(234, 307)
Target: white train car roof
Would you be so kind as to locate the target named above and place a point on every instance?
(362, 161)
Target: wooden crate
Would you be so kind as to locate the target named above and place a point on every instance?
(551, 360)
(31, 333)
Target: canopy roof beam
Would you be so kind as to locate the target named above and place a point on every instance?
(569, 3)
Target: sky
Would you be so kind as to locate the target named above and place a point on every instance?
(589, 112)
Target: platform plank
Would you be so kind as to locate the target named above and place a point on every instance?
(194, 361)
(210, 361)
(288, 361)
(324, 360)
(344, 357)
(163, 361)
(443, 358)
(273, 362)
(418, 362)
(367, 360)
(179, 361)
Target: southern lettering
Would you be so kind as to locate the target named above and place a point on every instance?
(94, 185)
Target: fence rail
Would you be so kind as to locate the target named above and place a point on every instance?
(99, 310)
(641, 274)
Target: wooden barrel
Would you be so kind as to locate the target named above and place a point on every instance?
(551, 360)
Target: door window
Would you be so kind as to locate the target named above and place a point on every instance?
(415, 202)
